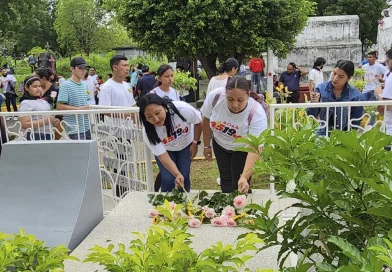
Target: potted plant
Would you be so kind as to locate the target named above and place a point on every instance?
(183, 82)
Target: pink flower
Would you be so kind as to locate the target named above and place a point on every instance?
(240, 201)
(205, 208)
(173, 205)
(224, 219)
(218, 222)
(231, 223)
(53, 94)
(183, 215)
(228, 211)
(210, 213)
(194, 223)
(153, 213)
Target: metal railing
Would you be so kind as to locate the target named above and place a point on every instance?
(125, 161)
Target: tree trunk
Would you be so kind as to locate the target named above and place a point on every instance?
(209, 64)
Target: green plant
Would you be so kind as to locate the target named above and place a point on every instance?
(151, 61)
(21, 252)
(342, 184)
(203, 74)
(183, 82)
(166, 247)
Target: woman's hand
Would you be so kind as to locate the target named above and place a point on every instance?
(179, 181)
(207, 153)
(56, 122)
(315, 97)
(194, 148)
(243, 185)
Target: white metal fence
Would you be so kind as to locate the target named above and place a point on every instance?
(125, 161)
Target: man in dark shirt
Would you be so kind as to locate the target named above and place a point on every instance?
(146, 83)
(291, 79)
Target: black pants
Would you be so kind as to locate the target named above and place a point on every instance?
(231, 165)
(10, 99)
(294, 97)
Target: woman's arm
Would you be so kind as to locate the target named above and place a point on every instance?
(196, 137)
(251, 158)
(172, 168)
(28, 123)
(207, 135)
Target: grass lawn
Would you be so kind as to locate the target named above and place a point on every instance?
(204, 175)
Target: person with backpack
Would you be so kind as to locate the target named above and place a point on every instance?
(32, 61)
(230, 113)
(256, 67)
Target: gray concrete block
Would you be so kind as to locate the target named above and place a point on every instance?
(51, 189)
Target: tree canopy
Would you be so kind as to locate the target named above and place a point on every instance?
(212, 29)
(368, 11)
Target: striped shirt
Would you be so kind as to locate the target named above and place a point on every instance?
(74, 94)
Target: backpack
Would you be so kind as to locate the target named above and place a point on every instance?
(252, 111)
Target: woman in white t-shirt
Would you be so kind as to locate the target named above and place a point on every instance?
(165, 81)
(38, 127)
(229, 113)
(168, 132)
(227, 69)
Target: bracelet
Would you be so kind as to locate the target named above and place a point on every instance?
(207, 147)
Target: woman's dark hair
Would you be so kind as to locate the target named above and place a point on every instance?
(389, 54)
(228, 65)
(110, 75)
(293, 65)
(347, 66)
(161, 70)
(27, 82)
(238, 82)
(99, 77)
(167, 104)
(320, 62)
(43, 73)
(128, 79)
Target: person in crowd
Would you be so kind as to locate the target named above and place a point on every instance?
(228, 69)
(163, 85)
(167, 132)
(256, 66)
(32, 61)
(73, 95)
(337, 90)
(146, 83)
(291, 79)
(49, 90)
(316, 75)
(109, 76)
(8, 83)
(38, 127)
(128, 81)
(98, 87)
(92, 76)
(91, 89)
(134, 74)
(242, 70)
(374, 75)
(387, 95)
(228, 114)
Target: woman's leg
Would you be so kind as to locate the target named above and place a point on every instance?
(183, 159)
(13, 101)
(8, 102)
(237, 166)
(224, 159)
(167, 179)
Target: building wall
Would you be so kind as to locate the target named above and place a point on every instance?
(131, 53)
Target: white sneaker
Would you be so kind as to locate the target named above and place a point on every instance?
(8, 118)
(218, 181)
(16, 118)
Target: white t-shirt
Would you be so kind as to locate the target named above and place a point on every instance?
(387, 93)
(116, 94)
(93, 78)
(215, 84)
(227, 126)
(370, 75)
(5, 80)
(183, 130)
(317, 76)
(36, 105)
(172, 94)
(90, 91)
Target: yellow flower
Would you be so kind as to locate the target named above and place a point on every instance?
(202, 216)
(251, 222)
(155, 220)
(88, 92)
(129, 91)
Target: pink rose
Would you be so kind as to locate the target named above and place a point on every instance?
(172, 205)
(224, 219)
(218, 222)
(210, 213)
(228, 211)
(194, 223)
(240, 201)
(53, 94)
(153, 213)
(231, 223)
(183, 215)
(205, 208)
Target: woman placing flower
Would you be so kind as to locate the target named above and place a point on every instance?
(229, 113)
(168, 132)
(32, 101)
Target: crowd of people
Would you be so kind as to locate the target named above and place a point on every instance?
(172, 128)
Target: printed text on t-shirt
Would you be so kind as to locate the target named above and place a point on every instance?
(225, 128)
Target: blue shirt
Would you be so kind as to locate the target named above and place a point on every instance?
(74, 94)
(291, 80)
(134, 77)
(349, 93)
(145, 84)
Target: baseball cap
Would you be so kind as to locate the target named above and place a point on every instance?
(80, 62)
(145, 68)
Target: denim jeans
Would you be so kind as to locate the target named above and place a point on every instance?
(38, 137)
(255, 78)
(369, 96)
(182, 159)
(81, 136)
(231, 165)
